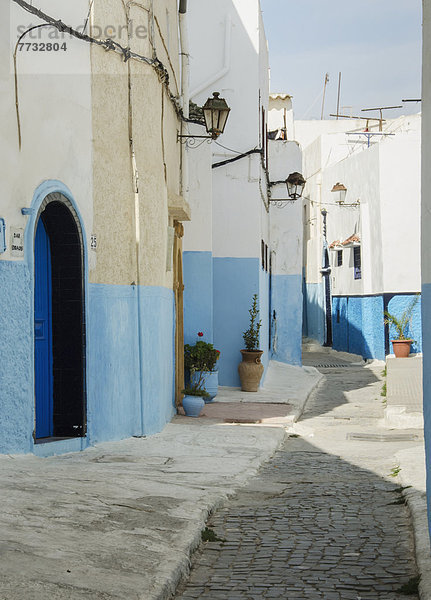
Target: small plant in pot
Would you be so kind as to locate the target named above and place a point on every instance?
(251, 368)
(401, 344)
(201, 362)
(194, 396)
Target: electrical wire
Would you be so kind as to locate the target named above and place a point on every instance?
(226, 148)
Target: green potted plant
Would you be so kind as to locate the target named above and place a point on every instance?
(201, 362)
(401, 344)
(251, 369)
(194, 397)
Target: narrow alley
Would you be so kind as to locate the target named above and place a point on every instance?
(324, 518)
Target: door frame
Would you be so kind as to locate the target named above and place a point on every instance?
(45, 193)
(178, 285)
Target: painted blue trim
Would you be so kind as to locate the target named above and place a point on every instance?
(198, 296)
(287, 329)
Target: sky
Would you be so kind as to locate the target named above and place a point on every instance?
(376, 44)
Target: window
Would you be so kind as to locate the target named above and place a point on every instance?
(357, 262)
(339, 258)
(266, 258)
(262, 247)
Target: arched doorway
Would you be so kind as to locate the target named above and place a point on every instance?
(59, 322)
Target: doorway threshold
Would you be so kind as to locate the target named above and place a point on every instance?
(49, 440)
(51, 446)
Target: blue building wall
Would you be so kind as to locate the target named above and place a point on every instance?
(116, 377)
(264, 304)
(358, 324)
(125, 395)
(314, 311)
(287, 330)
(235, 282)
(426, 328)
(16, 358)
(396, 306)
(198, 296)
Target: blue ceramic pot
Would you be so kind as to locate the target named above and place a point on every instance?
(210, 383)
(193, 405)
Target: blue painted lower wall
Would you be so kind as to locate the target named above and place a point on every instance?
(426, 328)
(118, 406)
(235, 282)
(16, 359)
(198, 296)
(115, 407)
(358, 323)
(287, 302)
(396, 306)
(314, 311)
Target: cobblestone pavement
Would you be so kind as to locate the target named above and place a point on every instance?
(311, 524)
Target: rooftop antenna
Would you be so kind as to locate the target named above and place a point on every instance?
(324, 94)
(339, 91)
(381, 109)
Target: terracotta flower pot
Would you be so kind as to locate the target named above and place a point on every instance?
(250, 370)
(401, 348)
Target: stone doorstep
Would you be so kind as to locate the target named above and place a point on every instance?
(397, 417)
(249, 413)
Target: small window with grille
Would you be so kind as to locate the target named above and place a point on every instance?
(357, 262)
(339, 258)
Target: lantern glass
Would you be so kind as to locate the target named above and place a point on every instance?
(216, 112)
(295, 185)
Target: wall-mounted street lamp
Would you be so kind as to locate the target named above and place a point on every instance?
(216, 112)
(342, 191)
(295, 184)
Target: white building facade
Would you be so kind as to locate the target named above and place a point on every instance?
(235, 247)
(92, 191)
(361, 254)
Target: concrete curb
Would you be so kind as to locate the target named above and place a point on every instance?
(181, 571)
(299, 410)
(417, 504)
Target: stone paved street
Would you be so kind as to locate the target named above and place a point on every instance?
(322, 519)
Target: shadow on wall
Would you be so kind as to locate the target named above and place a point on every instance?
(358, 321)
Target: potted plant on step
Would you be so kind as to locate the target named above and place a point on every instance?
(201, 360)
(194, 397)
(402, 343)
(251, 368)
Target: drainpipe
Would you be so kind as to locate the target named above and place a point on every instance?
(185, 93)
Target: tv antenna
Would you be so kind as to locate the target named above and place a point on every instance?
(324, 94)
(381, 109)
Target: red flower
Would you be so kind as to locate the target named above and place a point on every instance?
(200, 334)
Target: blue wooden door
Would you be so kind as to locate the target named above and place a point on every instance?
(43, 334)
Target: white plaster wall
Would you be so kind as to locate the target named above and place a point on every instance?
(281, 107)
(360, 174)
(239, 82)
(237, 217)
(241, 74)
(198, 231)
(286, 223)
(401, 211)
(374, 176)
(426, 148)
(56, 121)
